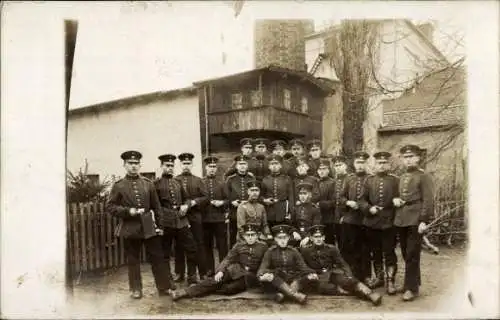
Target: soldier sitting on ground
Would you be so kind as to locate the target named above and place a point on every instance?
(236, 273)
(305, 215)
(283, 268)
(333, 272)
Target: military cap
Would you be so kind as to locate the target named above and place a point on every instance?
(287, 155)
(304, 185)
(250, 227)
(361, 155)
(296, 142)
(274, 157)
(261, 141)
(339, 158)
(131, 155)
(186, 156)
(211, 160)
(276, 143)
(410, 148)
(317, 229)
(241, 157)
(324, 162)
(382, 155)
(253, 184)
(167, 158)
(246, 141)
(314, 143)
(281, 229)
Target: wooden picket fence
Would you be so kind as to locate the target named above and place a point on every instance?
(91, 242)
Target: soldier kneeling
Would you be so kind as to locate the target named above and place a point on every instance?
(332, 270)
(283, 269)
(236, 273)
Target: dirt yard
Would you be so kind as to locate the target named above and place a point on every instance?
(108, 295)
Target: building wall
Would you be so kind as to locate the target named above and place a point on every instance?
(449, 164)
(153, 128)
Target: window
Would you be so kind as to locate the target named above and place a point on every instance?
(237, 100)
(149, 175)
(256, 98)
(93, 178)
(287, 99)
(303, 105)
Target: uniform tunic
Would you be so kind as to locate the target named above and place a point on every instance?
(260, 167)
(313, 166)
(307, 179)
(252, 212)
(132, 192)
(286, 264)
(353, 190)
(236, 189)
(304, 216)
(380, 190)
(278, 186)
(327, 199)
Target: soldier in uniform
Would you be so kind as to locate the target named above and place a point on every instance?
(327, 200)
(196, 193)
(236, 273)
(380, 190)
(253, 212)
(314, 159)
(283, 268)
(174, 208)
(305, 214)
(297, 150)
(333, 272)
(355, 248)
(278, 147)
(236, 192)
(246, 151)
(339, 207)
(130, 200)
(415, 209)
(277, 193)
(302, 176)
(260, 164)
(214, 210)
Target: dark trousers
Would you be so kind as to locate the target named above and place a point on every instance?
(355, 250)
(330, 233)
(227, 286)
(382, 246)
(180, 255)
(154, 253)
(183, 239)
(233, 232)
(328, 282)
(338, 236)
(217, 231)
(411, 245)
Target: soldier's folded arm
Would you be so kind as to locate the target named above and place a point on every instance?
(113, 205)
(427, 191)
(265, 264)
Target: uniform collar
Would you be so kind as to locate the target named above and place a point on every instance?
(340, 176)
(412, 169)
(242, 175)
(276, 174)
(324, 178)
(302, 176)
(361, 174)
(382, 174)
(186, 174)
(167, 175)
(131, 177)
(210, 177)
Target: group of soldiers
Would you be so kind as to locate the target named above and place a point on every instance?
(281, 220)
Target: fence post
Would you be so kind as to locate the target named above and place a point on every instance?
(102, 234)
(83, 237)
(74, 218)
(96, 228)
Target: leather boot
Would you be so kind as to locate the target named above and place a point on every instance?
(378, 281)
(367, 293)
(279, 297)
(409, 295)
(136, 294)
(178, 294)
(390, 287)
(287, 291)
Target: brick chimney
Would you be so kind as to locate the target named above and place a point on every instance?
(281, 42)
(428, 30)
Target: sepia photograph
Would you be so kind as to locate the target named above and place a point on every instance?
(261, 159)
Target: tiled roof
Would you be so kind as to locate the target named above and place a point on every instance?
(438, 100)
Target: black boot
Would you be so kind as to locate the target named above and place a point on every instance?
(367, 293)
(390, 287)
(178, 294)
(292, 294)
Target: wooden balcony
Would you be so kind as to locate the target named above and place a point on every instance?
(267, 118)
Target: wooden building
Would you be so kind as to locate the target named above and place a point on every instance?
(270, 102)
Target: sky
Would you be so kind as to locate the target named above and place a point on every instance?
(124, 49)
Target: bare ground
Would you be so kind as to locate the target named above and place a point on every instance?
(108, 294)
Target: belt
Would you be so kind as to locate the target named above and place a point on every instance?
(324, 270)
(407, 203)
